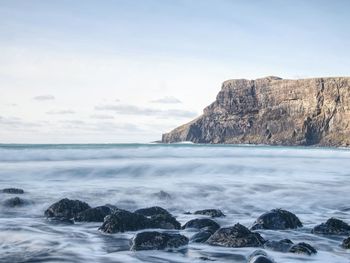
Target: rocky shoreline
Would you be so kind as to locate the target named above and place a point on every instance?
(157, 229)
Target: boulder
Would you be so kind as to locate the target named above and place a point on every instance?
(210, 212)
(333, 226)
(151, 211)
(277, 219)
(162, 195)
(201, 223)
(13, 191)
(259, 256)
(303, 248)
(66, 209)
(236, 236)
(15, 202)
(152, 240)
(203, 235)
(96, 214)
(281, 246)
(122, 220)
(164, 221)
(346, 243)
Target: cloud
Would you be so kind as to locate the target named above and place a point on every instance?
(101, 116)
(135, 110)
(60, 112)
(14, 122)
(44, 97)
(167, 100)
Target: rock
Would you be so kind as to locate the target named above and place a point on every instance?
(96, 214)
(13, 191)
(236, 236)
(333, 226)
(201, 223)
(274, 111)
(152, 240)
(151, 211)
(277, 219)
(15, 202)
(346, 243)
(66, 209)
(162, 195)
(210, 212)
(303, 248)
(259, 256)
(281, 246)
(203, 235)
(165, 221)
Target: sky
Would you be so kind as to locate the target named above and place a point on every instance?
(122, 71)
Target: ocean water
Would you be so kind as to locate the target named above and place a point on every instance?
(242, 181)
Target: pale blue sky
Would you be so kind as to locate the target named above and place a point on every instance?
(116, 63)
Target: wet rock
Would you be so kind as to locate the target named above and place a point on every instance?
(236, 236)
(153, 240)
(303, 248)
(259, 256)
(162, 195)
(346, 243)
(66, 209)
(277, 219)
(164, 221)
(122, 220)
(96, 214)
(15, 202)
(281, 246)
(13, 191)
(201, 223)
(333, 226)
(203, 235)
(151, 211)
(210, 212)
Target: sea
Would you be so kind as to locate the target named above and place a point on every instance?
(241, 180)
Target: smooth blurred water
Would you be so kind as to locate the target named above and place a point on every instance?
(242, 181)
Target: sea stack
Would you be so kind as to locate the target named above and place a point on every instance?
(274, 111)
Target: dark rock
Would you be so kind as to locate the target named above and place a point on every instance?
(66, 208)
(259, 256)
(303, 248)
(203, 235)
(333, 226)
(96, 214)
(151, 211)
(277, 219)
(201, 223)
(162, 195)
(15, 202)
(122, 220)
(12, 191)
(346, 243)
(281, 246)
(236, 236)
(165, 221)
(153, 240)
(210, 212)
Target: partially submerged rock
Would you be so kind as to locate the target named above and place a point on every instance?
(201, 223)
(151, 211)
(281, 246)
(259, 256)
(236, 236)
(277, 219)
(303, 248)
(13, 191)
(210, 212)
(162, 195)
(152, 240)
(66, 209)
(346, 243)
(15, 202)
(203, 235)
(122, 220)
(164, 221)
(96, 214)
(333, 226)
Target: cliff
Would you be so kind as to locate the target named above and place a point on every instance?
(274, 111)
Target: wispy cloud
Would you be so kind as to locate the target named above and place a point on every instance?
(44, 97)
(60, 112)
(101, 116)
(15, 122)
(167, 100)
(135, 110)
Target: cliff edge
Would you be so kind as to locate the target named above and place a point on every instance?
(274, 111)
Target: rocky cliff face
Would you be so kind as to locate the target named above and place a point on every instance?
(274, 111)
